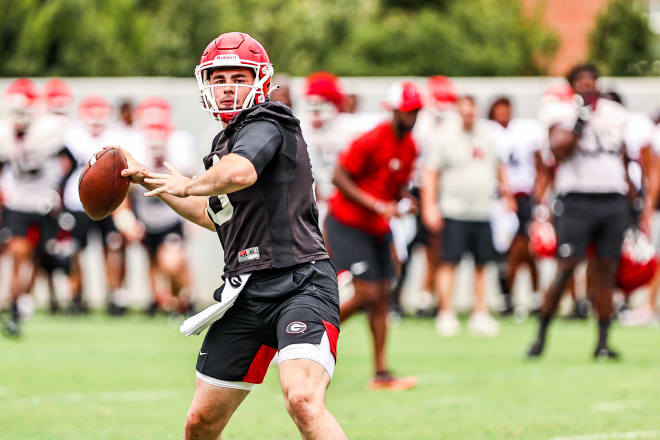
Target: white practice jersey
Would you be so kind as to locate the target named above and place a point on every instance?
(638, 134)
(180, 152)
(597, 164)
(516, 146)
(34, 173)
(83, 145)
(429, 128)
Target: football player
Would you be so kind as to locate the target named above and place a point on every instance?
(92, 133)
(371, 177)
(163, 238)
(38, 163)
(519, 142)
(257, 194)
(587, 140)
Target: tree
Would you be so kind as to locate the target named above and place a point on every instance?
(622, 41)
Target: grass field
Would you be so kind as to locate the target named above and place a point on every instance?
(98, 378)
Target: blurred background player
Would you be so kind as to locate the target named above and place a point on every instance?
(371, 177)
(38, 163)
(587, 140)
(439, 113)
(85, 138)
(461, 179)
(519, 142)
(325, 132)
(164, 237)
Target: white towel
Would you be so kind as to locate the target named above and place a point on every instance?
(197, 323)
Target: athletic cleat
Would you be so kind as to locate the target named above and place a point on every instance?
(640, 317)
(536, 350)
(603, 354)
(387, 381)
(447, 325)
(482, 324)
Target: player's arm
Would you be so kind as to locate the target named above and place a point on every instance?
(431, 215)
(344, 183)
(543, 178)
(563, 143)
(254, 147)
(504, 188)
(192, 208)
(647, 160)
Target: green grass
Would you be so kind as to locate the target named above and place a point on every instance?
(99, 378)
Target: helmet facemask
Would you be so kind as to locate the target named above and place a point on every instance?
(258, 89)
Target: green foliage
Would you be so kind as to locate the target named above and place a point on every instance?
(349, 37)
(622, 41)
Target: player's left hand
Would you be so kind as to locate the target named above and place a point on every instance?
(174, 183)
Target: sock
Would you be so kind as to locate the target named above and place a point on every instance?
(603, 331)
(15, 315)
(544, 322)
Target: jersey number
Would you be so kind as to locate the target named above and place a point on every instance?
(220, 209)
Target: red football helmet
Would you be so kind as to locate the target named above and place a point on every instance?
(59, 96)
(153, 111)
(638, 262)
(560, 91)
(20, 97)
(442, 93)
(233, 49)
(95, 111)
(403, 96)
(542, 235)
(323, 97)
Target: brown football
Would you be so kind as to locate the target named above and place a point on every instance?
(101, 186)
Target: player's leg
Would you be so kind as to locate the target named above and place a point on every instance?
(481, 247)
(609, 239)
(304, 384)
(210, 410)
(114, 252)
(307, 329)
(378, 317)
(574, 223)
(171, 262)
(233, 358)
(454, 244)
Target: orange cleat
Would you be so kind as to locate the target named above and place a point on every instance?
(387, 381)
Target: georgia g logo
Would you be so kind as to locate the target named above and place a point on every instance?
(296, 327)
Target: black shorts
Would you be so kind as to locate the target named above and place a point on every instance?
(524, 212)
(460, 236)
(294, 311)
(41, 230)
(581, 219)
(38, 228)
(368, 257)
(153, 240)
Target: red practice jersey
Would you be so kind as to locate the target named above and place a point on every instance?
(379, 164)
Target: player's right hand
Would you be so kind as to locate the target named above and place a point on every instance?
(135, 170)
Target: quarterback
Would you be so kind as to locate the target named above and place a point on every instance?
(256, 193)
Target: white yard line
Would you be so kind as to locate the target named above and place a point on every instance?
(630, 435)
(617, 405)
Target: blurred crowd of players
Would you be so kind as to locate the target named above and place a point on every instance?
(478, 185)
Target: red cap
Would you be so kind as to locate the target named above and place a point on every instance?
(403, 96)
(442, 91)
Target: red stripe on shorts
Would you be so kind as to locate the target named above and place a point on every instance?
(259, 365)
(333, 335)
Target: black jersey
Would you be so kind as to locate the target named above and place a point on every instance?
(273, 223)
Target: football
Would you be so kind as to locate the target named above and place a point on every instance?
(101, 187)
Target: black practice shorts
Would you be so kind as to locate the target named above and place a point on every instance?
(368, 257)
(293, 311)
(524, 213)
(153, 240)
(459, 237)
(40, 230)
(106, 228)
(581, 219)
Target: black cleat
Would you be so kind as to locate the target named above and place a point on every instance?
(536, 350)
(605, 354)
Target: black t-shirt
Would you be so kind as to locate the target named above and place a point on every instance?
(273, 223)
